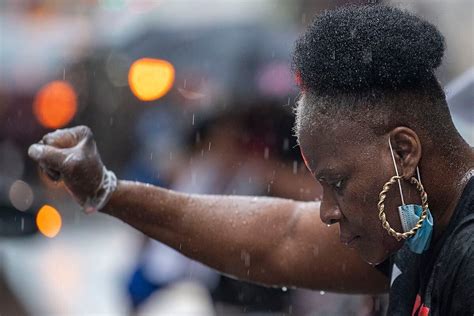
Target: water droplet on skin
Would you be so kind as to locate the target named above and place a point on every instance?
(245, 257)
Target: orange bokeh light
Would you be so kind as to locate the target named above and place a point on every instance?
(55, 104)
(150, 79)
(49, 221)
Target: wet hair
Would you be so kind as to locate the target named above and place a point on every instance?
(372, 63)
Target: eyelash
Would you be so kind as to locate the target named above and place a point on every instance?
(338, 186)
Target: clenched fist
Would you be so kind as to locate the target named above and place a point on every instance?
(71, 155)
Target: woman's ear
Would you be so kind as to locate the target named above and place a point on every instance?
(406, 149)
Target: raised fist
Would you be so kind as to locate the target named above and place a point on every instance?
(71, 155)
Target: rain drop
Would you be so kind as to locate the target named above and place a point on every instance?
(295, 167)
(286, 144)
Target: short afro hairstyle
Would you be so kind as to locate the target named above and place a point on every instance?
(375, 64)
(358, 48)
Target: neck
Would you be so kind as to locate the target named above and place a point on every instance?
(444, 179)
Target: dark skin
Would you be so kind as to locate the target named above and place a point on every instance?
(288, 242)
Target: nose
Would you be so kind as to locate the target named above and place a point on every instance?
(329, 210)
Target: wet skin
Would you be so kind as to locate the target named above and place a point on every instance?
(287, 243)
(352, 164)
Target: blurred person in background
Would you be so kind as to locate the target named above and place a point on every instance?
(367, 108)
(244, 150)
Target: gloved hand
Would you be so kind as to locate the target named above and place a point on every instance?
(71, 155)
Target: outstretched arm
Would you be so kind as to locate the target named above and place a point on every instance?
(271, 241)
(266, 240)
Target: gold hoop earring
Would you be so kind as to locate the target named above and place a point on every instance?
(381, 207)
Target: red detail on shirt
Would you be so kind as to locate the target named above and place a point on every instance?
(419, 309)
(424, 311)
(417, 305)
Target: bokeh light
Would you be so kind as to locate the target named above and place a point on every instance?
(150, 79)
(49, 221)
(55, 104)
(21, 195)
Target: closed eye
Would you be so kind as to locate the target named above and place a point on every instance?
(338, 186)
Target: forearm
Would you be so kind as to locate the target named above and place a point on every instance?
(232, 234)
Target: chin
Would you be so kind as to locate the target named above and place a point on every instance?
(373, 255)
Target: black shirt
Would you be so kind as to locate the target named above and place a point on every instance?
(441, 280)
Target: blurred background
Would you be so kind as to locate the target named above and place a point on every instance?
(193, 95)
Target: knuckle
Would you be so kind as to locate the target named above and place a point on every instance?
(85, 131)
(52, 137)
(48, 138)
